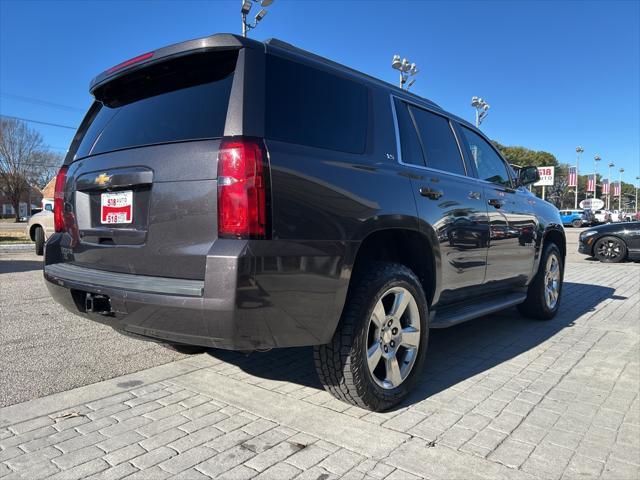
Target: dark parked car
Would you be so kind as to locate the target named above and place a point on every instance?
(229, 193)
(611, 243)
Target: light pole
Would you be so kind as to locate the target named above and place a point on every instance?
(636, 205)
(596, 159)
(611, 165)
(620, 195)
(246, 8)
(482, 109)
(579, 151)
(406, 69)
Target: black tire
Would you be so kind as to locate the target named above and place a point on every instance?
(39, 239)
(576, 223)
(342, 364)
(610, 250)
(185, 349)
(536, 304)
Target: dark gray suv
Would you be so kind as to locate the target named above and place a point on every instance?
(229, 193)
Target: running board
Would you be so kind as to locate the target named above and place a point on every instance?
(454, 314)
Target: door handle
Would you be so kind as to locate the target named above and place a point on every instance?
(474, 195)
(431, 193)
(496, 202)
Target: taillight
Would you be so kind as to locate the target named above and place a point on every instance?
(242, 210)
(58, 200)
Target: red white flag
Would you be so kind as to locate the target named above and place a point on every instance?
(573, 177)
(591, 183)
(605, 187)
(616, 189)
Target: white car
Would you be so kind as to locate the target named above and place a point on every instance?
(40, 228)
(620, 216)
(602, 216)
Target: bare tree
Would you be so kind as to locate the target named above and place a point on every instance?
(24, 160)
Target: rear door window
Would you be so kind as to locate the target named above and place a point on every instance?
(185, 99)
(438, 143)
(309, 106)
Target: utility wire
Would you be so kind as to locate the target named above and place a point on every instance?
(37, 101)
(38, 121)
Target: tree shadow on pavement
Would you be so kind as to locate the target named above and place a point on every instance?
(455, 354)
(17, 266)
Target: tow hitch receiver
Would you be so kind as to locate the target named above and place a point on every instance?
(97, 304)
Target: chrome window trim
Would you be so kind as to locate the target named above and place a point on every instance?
(399, 149)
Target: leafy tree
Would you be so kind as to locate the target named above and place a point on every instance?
(523, 156)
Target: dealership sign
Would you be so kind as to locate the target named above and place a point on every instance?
(547, 175)
(592, 204)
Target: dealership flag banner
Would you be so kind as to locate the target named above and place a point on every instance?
(591, 184)
(605, 187)
(616, 189)
(573, 177)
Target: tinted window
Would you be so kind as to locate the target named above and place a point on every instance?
(176, 101)
(489, 164)
(409, 142)
(308, 106)
(438, 143)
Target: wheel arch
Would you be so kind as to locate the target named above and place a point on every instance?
(407, 246)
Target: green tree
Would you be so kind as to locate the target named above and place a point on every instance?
(523, 156)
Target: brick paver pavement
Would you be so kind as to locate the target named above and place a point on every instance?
(501, 397)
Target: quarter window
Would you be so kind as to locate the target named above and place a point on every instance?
(308, 106)
(488, 163)
(409, 141)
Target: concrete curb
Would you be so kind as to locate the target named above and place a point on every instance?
(15, 247)
(56, 402)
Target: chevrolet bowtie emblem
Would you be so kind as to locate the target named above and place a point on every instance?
(102, 179)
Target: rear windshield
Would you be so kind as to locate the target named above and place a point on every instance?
(308, 106)
(183, 99)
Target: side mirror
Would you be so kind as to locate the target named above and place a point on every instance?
(527, 176)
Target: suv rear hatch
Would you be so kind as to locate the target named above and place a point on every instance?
(141, 189)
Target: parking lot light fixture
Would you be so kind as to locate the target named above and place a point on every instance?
(246, 8)
(482, 109)
(406, 69)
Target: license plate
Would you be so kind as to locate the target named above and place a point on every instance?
(116, 207)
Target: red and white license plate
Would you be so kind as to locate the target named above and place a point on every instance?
(116, 207)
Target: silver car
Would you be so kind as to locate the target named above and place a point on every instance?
(40, 228)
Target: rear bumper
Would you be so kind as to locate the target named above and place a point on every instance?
(246, 301)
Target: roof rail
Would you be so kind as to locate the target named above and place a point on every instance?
(274, 42)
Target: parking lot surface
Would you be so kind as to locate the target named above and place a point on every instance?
(501, 397)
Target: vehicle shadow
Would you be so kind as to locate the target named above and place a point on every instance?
(455, 354)
(17, 266)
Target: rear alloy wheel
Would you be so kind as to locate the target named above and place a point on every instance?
(610, 250)
(378, 349)
(576, 223)
(543, 295)
(39, 239)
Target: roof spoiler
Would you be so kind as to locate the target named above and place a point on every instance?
(220, 41)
